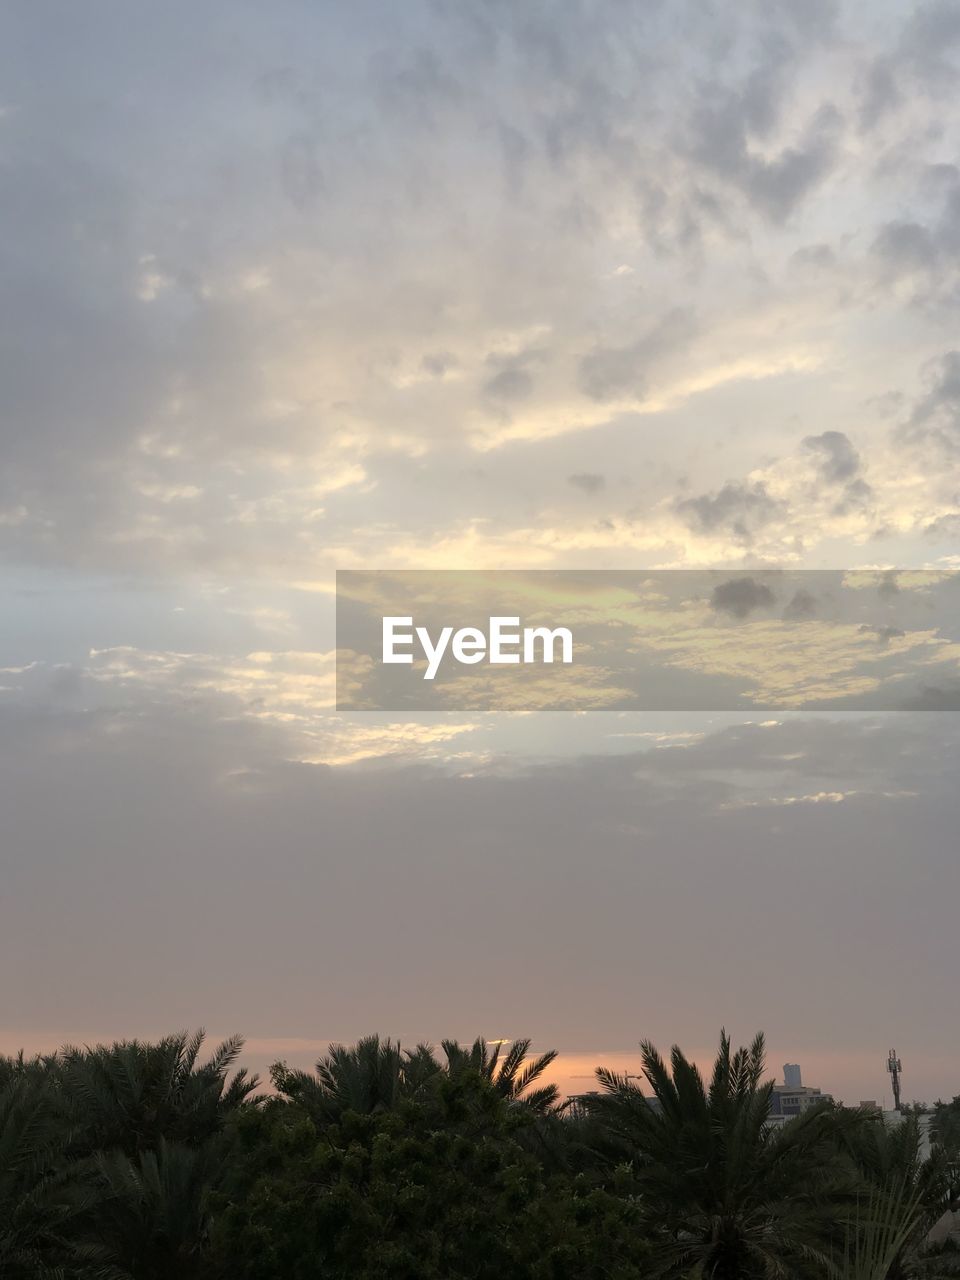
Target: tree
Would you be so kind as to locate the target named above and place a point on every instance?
(376, 1075)
(45, 1199)
(885, 1221)
(437, 1188)
(371, 1076)
(512, 1077)
(903, 1194)
(946, 1126)
(132, 1095)
(113, 1150)
(723, 1195)
(151, 1215)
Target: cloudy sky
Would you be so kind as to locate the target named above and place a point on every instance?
(300, 287)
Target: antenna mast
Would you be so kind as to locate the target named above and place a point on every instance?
(894, 1067)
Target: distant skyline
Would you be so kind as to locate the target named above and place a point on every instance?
(301, 287)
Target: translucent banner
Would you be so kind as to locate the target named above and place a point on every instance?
(666, 640)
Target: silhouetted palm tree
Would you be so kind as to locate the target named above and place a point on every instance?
(376, 1075)
(512, 1075)
(904, 1195)
(44, 1197)
(723, 1195)
(131, 1095)
(372, 1075)
(881, 1228)
(152, 1215)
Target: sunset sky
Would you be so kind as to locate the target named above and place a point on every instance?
(304, 286)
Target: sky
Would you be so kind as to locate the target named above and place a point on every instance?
(301, 287)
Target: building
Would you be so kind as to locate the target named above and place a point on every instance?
(793, 1097)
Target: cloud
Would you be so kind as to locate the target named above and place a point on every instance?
(168, 815)
(588, 481)
(351, 293)
(727, 126)
(802, 604)
(378, 264)
(737, 508)
(884, 634)
(934, 698)
(741, 596)
(607, 372)
(880, 93)
(936, 418)
(512, 382)
(838, 459)
(438, 363)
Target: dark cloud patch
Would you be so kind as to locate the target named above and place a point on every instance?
(929, 38)
(415, 84)
(947, 526)
(779, 185)
(516, 153)
(438, 363)
(608, 372)
(905, 247)
(65, 683)
(856, 496)
(888, 588)
(935, 698)
(588, 481)
(880, 93)
(936, 418)
(725, 125)
(838, 463)
(837, 459)
(300, 173)
(802, 606)
(741, 596)
(925, 252)
(884, 634)
(511, 380)
(818, 257)
(512, 383)
(737, 509)
(920, 61)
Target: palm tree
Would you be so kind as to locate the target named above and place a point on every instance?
(882, 1227)
(152, 1216)
(723, 1195)
(371, 1076)
(44, 1198)
(376, 1075)
(130, 1095)
(904, 1195)
(512, 1076)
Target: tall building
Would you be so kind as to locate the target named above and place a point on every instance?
(793, 1097)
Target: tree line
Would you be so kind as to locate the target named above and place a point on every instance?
(144, 1161)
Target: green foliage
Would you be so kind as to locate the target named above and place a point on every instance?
(512, 1076)
(139, 1161)
(375, 1075)
(722, 1194)
(368, 1077)
(437, 1188)
(130, 1095)
(108, 1154)
(884, 1222)
(45, 1198)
